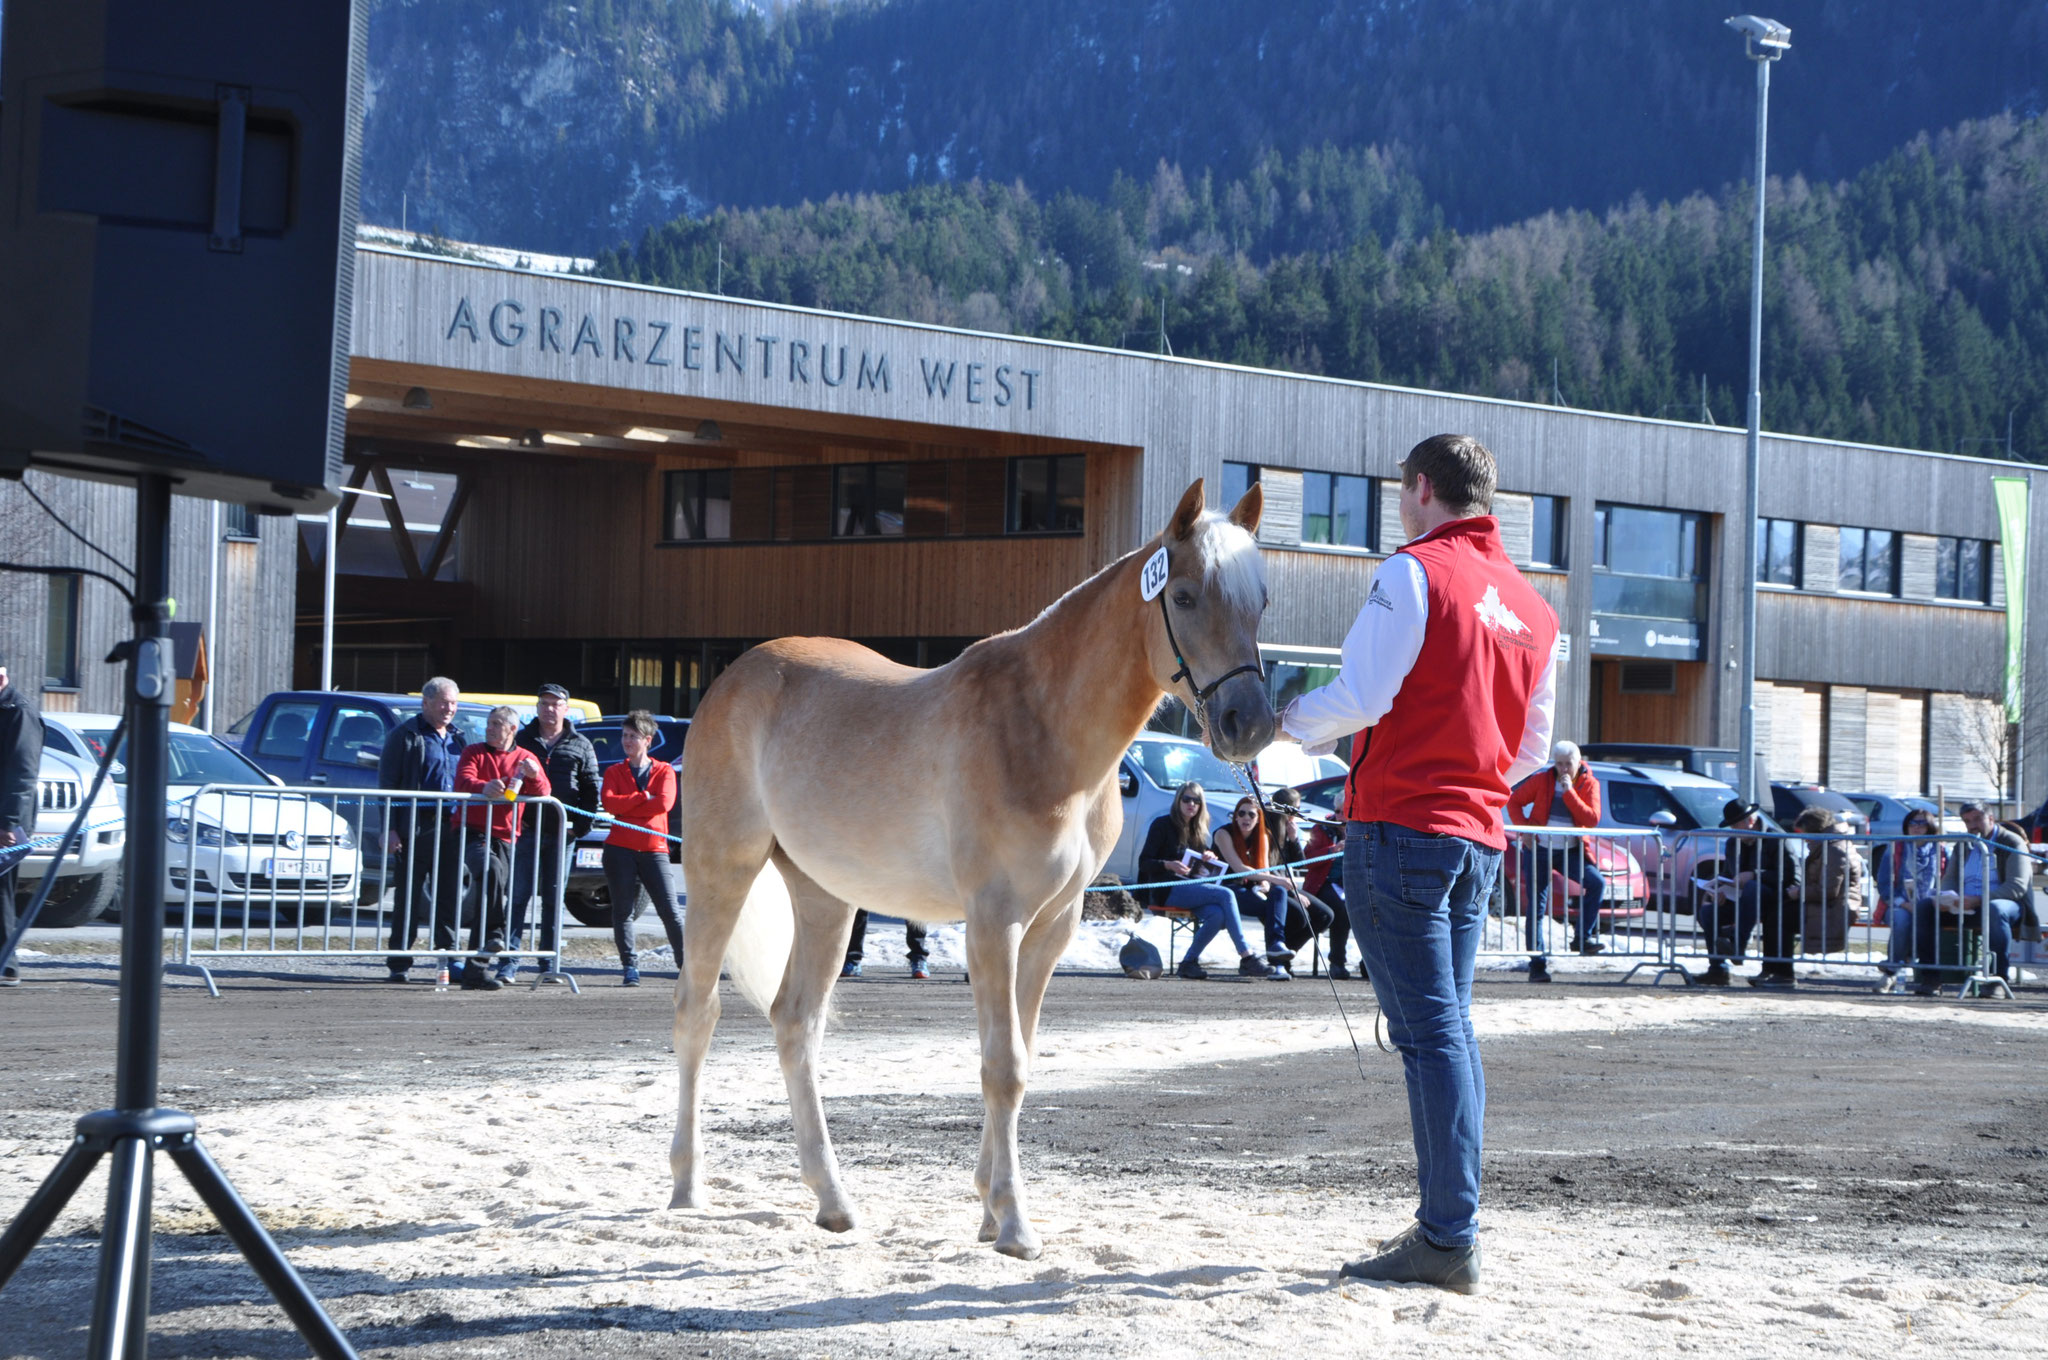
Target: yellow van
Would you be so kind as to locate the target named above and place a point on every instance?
(580, 710)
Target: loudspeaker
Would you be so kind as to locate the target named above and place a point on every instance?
(178, 203)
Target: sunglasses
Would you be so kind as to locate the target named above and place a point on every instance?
(1246, 812)
(1190, 800)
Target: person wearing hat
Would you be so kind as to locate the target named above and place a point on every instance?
(21, 761)
(538, 857)
(1765, 883)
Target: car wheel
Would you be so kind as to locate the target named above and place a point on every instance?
(592, 908)
(77, 900)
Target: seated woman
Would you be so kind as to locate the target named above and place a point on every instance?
(1325, 883)
(1907, 871)
(1244, 846)
(1177, 847)
(1834, 883)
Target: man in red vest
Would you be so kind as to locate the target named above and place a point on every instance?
(1449, 674)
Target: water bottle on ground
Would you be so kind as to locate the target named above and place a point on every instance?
(441, 978)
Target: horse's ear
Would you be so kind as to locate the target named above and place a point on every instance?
(1187, 512)
(1246, 513)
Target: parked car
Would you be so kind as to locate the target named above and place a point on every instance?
(585, 894)
(1887, 812)
(1789, 800)
(89, 878)
(335, 738)
(1714, 762)
(581, 711)
(1155, 765)
(231, 848)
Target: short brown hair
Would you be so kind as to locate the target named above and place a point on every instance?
(641, 721)
(1461, 472)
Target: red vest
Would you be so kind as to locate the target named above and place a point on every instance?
(1439, 760)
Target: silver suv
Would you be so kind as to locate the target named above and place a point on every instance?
(89, 879)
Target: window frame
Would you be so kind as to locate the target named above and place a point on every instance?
(1796, 564)
(678, 478)
(1560, 558)
(1958, 545)
(1862, 562)
(870, 475)
(1058, 468)
(60, 630)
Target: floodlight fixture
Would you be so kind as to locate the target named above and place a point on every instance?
(1766, 39)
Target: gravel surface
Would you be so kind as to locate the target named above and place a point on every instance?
(1833, 1168)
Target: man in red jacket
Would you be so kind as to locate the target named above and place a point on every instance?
(1566, 794)
(496, 772)
(1449, 672)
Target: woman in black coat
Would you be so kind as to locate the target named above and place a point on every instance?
(1177, 847)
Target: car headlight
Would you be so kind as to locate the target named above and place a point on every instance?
(182, 830)
(346, 837)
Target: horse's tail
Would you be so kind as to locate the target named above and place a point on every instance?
(757, 955)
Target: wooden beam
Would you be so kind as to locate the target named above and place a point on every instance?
(402, 536)
(464, 484)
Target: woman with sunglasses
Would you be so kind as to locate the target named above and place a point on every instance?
(1177, 847)
(1908, 871)
(1248, 850)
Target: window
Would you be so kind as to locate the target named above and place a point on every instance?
(1869, 561)
(1339, 509)
(1962, 569)
(699, 505)
(1633, 804)
(867, 500)
(1546, 531)
(1046, 495)
(1237, 479)
(1648, 563)
(60, 633)
(287, 730)
(237, 522)
(1777, 552)
(354, 733)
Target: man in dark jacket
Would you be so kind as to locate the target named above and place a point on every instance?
(21, 760)
(1769, 889)
(538, 856)
(420, 755)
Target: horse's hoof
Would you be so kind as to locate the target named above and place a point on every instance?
(836, 1220)
(988, 1229)
(1022, 1247)
(683, 1199)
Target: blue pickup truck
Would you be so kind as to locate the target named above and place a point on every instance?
(335, 738)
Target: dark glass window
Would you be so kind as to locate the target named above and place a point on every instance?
(1047, 495)
(699, 505)
(237, 521)
(1777, 552)
(1869, 561)
(1237, 479)
(1337, 508)
(60, 633)
(867, 500)
(1962, 569)
(1546, 531)
(1645, 542)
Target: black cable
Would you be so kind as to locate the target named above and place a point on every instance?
(73, 532)
(126, 593)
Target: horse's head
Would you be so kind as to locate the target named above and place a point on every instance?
(1214, 592)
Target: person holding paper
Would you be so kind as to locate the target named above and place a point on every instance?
(1177, 847)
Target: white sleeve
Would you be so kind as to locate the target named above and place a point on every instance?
(1379, 651)
(1535, 751)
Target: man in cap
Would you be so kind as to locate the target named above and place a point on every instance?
(21, 761)
(1447, 676)
(539, 855)
(1762, 882)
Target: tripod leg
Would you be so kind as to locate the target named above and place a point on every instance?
(261, 1252)
(120, 1311)
(42, 1209)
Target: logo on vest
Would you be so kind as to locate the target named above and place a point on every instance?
(1498, 616)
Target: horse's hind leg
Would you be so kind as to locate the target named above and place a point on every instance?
(823, 923)
(719, 878)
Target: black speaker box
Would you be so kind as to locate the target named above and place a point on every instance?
(178, 204)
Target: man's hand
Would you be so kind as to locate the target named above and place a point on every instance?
(495, 789)
(14, 835)
(526, 769)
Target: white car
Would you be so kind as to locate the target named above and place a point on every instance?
(89, 878)
(268, 851)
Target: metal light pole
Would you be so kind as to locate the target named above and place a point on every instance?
(1764, 40)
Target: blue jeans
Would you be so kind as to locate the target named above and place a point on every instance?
(1270, 911)
(1214, 909)
(1572, 862)
(1416, 902)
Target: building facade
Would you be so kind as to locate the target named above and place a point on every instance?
(620, 488)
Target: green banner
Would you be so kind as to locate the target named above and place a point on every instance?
(2011, 493)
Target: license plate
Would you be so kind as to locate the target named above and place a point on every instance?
(296, 868)
(589, 859)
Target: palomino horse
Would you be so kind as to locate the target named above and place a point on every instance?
(985, 788)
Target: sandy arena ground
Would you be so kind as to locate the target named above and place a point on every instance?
(1721, 1173)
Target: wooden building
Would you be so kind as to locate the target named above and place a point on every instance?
(619, 488)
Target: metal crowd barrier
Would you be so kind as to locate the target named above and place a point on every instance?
(1729, 898)
(274, 872)
(1581, 890)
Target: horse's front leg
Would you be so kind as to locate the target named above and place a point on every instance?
(992, 944)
